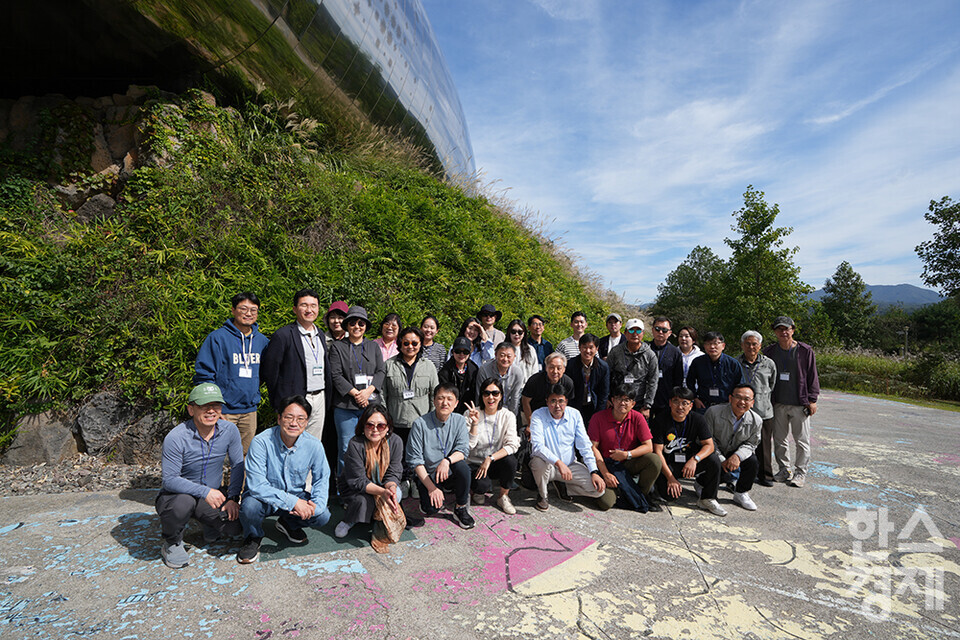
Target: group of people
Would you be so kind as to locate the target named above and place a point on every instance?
(616, 419)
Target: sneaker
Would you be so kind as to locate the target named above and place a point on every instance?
(711, 505)
(463, 517)
(174, 555)
(479, 498)
(504, 503)
(296, 536)
(782, 476)
(542, 504)
(798, 480)
(343, 528)
(744, 500)
(764, 481)
(250, 550)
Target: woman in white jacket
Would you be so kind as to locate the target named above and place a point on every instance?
(493, 445)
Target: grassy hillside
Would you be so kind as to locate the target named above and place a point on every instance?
(227, 201)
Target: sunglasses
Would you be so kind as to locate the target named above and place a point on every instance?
(380, 426)
(408, 343)
(635, 330)
(461, 352)
(518, 332)
(661, 329)
(492, 393)
(355, 321)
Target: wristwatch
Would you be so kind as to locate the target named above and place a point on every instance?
(629, 455)
(697, 457)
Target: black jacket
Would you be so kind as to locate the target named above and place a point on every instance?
(283, 366)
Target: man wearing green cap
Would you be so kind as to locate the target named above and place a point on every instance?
(192, 473)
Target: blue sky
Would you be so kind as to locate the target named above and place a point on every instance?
(634, 128)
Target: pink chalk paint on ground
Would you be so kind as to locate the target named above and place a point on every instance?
(355, 597)
(527, 554)
(948, 458)
(956, 542)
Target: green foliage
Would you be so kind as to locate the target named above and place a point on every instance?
(941, 256)
(849, 306)
(761, 281)
(233, 201)
(691, 289)
(932, 375)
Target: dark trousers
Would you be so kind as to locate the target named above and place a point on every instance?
(748, 473)
(503, 470)
(707, 475)
(175, 511)
(458, 481)
(765, 450)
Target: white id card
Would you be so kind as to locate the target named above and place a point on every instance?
(785, 376)
(679, 457)
(715, 392)
(407, 394)
(629, 379)
(246, 372)
(359, 380)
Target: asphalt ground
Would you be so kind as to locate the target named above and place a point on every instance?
(810, 563)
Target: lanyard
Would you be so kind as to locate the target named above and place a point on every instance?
(751, 370)
(357, 358)
(247, 355)
(206, 459)
(314, 351)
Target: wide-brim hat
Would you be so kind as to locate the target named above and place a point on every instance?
(356, 312)
(491, 310)
(339, 305)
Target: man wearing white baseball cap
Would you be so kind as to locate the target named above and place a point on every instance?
(632, 362)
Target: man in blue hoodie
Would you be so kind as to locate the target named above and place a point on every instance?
(230, 358)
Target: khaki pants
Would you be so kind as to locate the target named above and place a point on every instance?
(318, 412)
(581, 485)
(791, 419)
(246, 424)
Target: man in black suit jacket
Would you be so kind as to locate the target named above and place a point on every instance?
(295, 362)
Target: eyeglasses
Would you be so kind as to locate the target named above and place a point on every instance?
(683, 404)
(622, 400)
(743, 398)
(294, 419)
(557, 401)
(491, 393)
(518, 332)
(409, 343)
(662, 329)
(635, 330)
(462, 352)
(380, 426)
(247, 311)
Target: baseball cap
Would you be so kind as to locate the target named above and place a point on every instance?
(205, 393)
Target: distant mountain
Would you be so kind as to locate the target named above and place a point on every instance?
(891, 295)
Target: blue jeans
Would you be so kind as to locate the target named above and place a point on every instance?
(253, 512)
(346, 421)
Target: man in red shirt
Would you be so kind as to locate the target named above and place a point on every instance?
(623, 447)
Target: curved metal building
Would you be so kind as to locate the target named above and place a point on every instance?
(375, 58)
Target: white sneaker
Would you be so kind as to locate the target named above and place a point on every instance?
(744, 500)
(711, 505)
(479, 499)
(782, 476)
(343, 528)
(504, 503)
(798, 479)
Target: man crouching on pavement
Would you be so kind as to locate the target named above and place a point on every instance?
(278, 464)
(192, 472)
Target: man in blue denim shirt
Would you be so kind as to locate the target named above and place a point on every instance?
(278, 464)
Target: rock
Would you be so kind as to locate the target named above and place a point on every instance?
(99, 207)
(103, 419)
(208, 99)
(100, 159)
(71, 196)
(121, 99)
(136, 92)
(85, 101)
(43, 437)
(129, 165)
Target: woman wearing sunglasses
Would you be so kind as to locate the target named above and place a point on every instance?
(481, 346)
(526, 356)
(357, 373)
(410, 381)
(369, 482)
(493, 445)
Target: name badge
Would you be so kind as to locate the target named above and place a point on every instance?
(408, 394)
(785, 376)
(659, 374)
(360, 381)
(246, 372)
(679, 457)
(715, 392)
(318, 371)
(629, 379)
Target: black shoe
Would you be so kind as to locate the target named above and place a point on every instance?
(764, 482)
(655, 498)
(463, 517)
(249, 551)
(655, 507)
(414, 521)
(296, 536)
(561, 488)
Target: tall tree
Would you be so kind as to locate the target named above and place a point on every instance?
(689, 290)
(849, 305)
(941, 256)
(761, 281)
